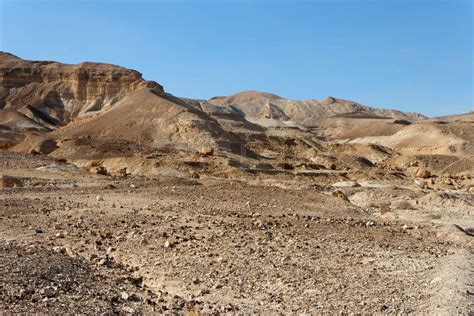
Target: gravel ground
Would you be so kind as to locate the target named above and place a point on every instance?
(91, 244)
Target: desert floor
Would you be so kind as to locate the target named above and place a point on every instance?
(76, 242)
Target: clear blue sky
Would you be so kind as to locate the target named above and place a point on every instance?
(413, 55)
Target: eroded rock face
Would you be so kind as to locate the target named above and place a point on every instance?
(54, 93)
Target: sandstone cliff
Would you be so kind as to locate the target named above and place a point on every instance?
(53, 93)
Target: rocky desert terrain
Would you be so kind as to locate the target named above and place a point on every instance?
(119, 197)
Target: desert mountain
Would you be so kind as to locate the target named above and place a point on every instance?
(100, 113)
(266, 108)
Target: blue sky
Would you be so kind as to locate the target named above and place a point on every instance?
(412, 55)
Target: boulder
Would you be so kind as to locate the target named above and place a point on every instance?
(340, 194)
(47, 146)
(122, 172)
(10, 182)
(423, 173)
(98, 170)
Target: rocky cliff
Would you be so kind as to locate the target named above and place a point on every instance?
(53, 93)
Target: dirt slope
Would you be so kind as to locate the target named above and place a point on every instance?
(141, 122)
(455, 138)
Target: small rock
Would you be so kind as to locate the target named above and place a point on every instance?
(423, 173)
(206, 151)
(339, 194)
(47, 292)
(128, 310)
(110, 250)
(420, 183)
(122, 172)
(59, 249)
(98, 170)
(345, 184)
(204, 292)
(70, 252)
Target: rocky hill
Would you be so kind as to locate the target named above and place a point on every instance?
(265, 108)
(96, 111)
(53, 93)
